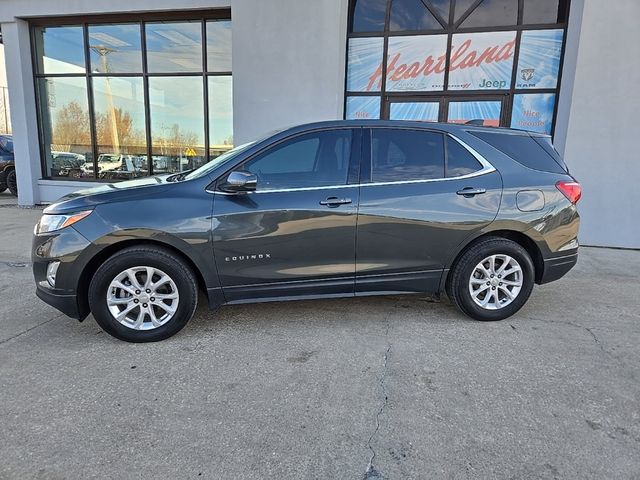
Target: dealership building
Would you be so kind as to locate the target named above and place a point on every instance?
(103, 91)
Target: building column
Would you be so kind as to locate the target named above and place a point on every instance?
(568, 75)
(22, 101)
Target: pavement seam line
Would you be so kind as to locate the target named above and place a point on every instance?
(29, 329)
(371, 472)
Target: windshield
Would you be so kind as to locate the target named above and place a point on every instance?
(216, 162)
(108, 158)
(7, 144)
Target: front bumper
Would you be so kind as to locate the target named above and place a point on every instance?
(68, 247)
(557, 267)
(67, 304)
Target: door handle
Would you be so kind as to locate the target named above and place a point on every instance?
(335, 201)
(470, 191)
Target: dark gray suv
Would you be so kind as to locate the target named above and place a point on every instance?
(332, 209)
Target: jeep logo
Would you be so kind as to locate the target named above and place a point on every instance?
(253, 256)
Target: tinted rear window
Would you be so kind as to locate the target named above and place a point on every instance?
(400, 155)
(523, 149)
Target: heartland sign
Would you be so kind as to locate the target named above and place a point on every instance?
(417, 63)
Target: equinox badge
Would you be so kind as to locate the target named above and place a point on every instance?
(253, 256)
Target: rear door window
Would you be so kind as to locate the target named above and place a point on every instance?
(401, 155)
(523, 149)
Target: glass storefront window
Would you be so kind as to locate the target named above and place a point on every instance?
(177, 123)
(412, 15)
(416, 63)
(364, 72)
(219, 46)
(64, 123)
(544, 11)
(174, 47)
(533, 111)
(479, 59)
(493, 13)
(539, 59)
(59, 50)
(220, 115)
(418, 111)
(112, 116)
(120, 127)
(368, 15)
(483, 112)
(115, 48)
(359, 108)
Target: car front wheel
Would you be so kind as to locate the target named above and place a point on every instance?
(492, 279)
(143, 294)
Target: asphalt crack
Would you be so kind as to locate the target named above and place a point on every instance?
(371, 471)
(30, 329)
(590, 331)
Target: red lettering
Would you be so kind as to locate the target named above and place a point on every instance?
(397, 75)
(412, 71)
(461, 57)
(455, 55)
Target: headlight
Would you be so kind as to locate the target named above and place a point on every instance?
(51, 223)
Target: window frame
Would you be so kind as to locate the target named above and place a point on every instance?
(141, 19)
(366, 169)
(418, 130)
(450, 27)
(353, 168)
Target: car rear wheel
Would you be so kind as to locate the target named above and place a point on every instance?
(492, 279)
(12, 183)
(143, 294)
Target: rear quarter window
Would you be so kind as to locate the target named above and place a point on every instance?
(524, 149)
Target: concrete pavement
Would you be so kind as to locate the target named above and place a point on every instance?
(391, 387)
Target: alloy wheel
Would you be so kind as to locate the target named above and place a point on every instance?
(142, 298)
(495, 282)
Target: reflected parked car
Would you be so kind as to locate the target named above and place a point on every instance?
(116, 167)
(7, 165)
(333, 209)
(67, 164)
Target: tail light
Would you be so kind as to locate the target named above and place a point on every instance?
(571, 190)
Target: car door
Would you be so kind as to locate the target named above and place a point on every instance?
(422, 194)
(295, 234)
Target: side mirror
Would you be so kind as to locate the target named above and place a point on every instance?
(240, 181)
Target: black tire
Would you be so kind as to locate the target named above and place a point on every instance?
(12, 183)
(3, 181)
(460, 277)
(143, 256)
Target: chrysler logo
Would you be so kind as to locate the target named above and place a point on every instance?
(252, 256)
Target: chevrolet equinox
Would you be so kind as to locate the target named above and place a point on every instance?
(331, 209)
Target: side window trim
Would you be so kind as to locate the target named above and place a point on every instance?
(365, 179)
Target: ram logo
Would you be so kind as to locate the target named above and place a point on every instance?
(527, 73)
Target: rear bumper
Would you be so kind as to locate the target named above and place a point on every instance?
(67, 304)
(557, 267)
